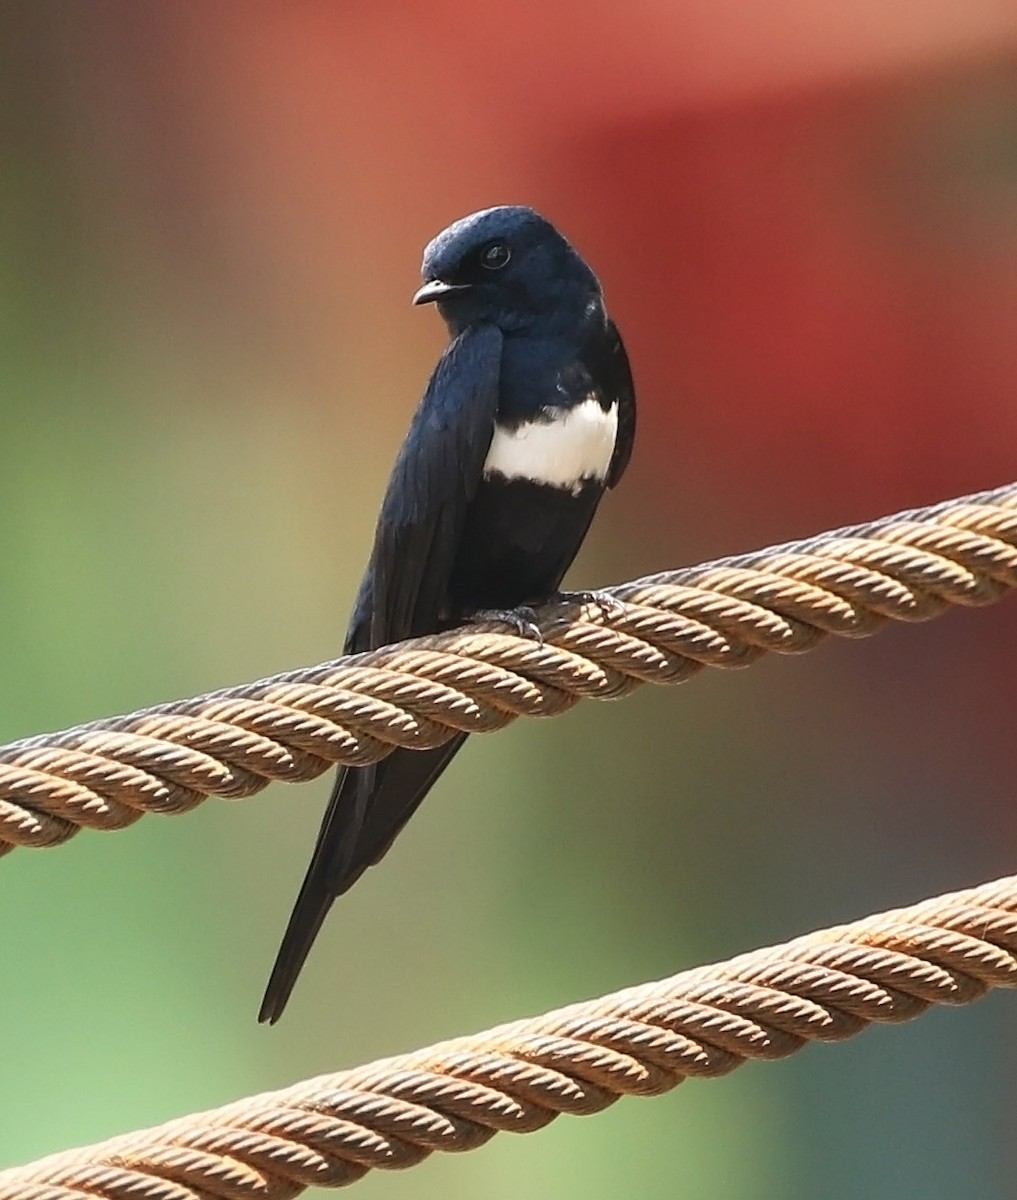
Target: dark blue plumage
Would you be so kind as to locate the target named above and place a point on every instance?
(528, 417)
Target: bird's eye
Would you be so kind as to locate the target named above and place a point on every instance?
(494, 256)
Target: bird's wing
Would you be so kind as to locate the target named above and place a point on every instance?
(436, 474)
(618, 375)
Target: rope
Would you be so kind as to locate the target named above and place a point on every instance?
(665, 628)
(330, 1131)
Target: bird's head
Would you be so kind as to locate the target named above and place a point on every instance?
(510, 267)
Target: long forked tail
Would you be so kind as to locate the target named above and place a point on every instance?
(340, 829)
(367, 809)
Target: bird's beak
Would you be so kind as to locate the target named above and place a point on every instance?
(438, 289)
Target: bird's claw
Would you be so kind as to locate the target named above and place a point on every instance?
(609, 606)
(521, 620)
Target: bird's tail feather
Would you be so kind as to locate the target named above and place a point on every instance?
(306, 919)
(367, 809)
(337, 838)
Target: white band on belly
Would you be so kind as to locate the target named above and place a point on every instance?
(574, 445)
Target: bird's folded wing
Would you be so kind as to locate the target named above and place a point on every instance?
(437, 473)
(617, 371)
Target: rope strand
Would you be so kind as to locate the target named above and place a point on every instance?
(331, 1130)
(294, 726)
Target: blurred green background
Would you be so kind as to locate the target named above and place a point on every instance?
(211, 216)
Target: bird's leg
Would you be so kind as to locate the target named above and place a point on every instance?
(521, 620)
(609, 606)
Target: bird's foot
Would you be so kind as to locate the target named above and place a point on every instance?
(522, 620)
(609, 606)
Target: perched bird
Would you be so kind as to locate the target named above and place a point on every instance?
(528, 417)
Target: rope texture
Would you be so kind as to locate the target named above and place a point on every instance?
(294, 726)
(330, 1131)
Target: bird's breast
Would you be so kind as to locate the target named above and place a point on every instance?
(562, 447)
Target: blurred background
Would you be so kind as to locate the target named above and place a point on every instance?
(804, 214)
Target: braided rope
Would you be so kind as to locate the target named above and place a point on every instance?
(330, 1131)
(667, 627)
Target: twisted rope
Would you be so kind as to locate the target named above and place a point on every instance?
(330, 1131)
(667, 627)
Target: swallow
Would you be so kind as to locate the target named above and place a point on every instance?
(528, 417)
